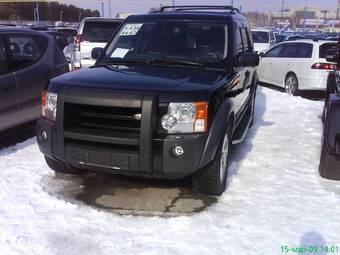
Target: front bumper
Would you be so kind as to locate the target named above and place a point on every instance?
(92, 156)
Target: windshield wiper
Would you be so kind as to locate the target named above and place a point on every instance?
(121, 62)
(174, 62)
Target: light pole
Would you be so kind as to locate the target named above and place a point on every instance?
(37, 11)
(80, 17)
(110, 9)
(61, 15)
(304, 19)
(173, 3)
(232, 2)
(282, 8)
(102, 8)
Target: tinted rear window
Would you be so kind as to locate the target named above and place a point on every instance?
(324, 48)
(260, 37)
(280, 38)
(99, 31)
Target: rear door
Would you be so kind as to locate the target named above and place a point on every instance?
(96, 34)
(294, 57)
(300, 62)
(31, 64)
(8, 92)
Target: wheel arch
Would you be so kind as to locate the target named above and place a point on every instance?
(224, 117)
(286, 76)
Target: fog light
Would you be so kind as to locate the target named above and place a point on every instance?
(44, 135)
(178, 151)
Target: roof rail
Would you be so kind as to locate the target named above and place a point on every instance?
(199, 7)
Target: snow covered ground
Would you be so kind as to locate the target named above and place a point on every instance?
(275, 197)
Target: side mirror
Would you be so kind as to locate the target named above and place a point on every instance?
(96, 52)
(248, 59)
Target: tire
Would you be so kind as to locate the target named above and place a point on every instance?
(60, 167)
(292, 84)
(329, 164)
(212, 180)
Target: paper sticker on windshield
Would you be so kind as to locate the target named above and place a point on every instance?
(130, 29)
(119, 53)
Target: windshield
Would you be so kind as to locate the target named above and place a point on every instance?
(176, 41)
(260, 37)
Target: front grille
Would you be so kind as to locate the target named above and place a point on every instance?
(112, 127)
(101, 118)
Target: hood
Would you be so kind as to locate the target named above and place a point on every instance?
(142, 78)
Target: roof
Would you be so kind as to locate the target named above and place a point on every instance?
(261, 30)
(187, 15)
(219, 13)
(18, 29)
(319, 42)
(100, 19)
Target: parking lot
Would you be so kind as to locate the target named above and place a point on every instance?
(181, 130)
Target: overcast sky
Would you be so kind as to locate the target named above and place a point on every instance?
(142, 6)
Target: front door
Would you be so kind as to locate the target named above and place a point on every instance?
(8, 93)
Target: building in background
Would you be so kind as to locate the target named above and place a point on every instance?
(310, 17)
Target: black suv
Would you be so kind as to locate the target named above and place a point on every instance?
(330, 153)
(168, 96)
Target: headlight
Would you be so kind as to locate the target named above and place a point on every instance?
(49, 105)
(186, 117)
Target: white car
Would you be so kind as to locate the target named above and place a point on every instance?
(263, 39)
(296, 65)
(92, 33)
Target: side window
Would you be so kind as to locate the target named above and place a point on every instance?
(289, 50)
(3, 61)
(245, 39)
(305, 50)
(274, 52)
(239, 45)
(24, 50)
(59, 57)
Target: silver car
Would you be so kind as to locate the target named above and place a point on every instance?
(92, 33)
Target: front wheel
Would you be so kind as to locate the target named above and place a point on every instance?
(329, 164)
(292, 85)
(212, 180)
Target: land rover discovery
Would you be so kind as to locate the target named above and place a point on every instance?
(167, 98)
